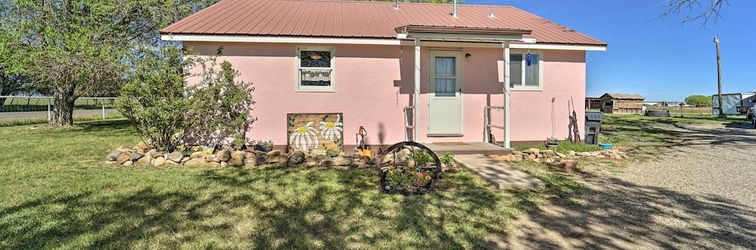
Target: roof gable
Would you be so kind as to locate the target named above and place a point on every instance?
(375, 20)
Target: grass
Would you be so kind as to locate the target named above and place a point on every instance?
(642, 134)
(58, 194)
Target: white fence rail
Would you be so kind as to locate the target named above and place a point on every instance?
(30, 106)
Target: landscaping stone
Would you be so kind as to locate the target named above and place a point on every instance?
(311, 162)
(141, 147)
(171, 163)
(585, 154)
(197, 155)
(135, 156)
(128, 163)
(185, 159)
(274, 153)
(195, 162)
(159, 162)
(342, 161)
(326, 163)
(261, 159)
(156, 154)
(272, 159)
(175, 156)
(548, 153)
(214, 164)
(561, 155)
(123, 157)
(237, 158)
(113, 156)
(571, 153)
(223, 155)
(143, 161)
(223, 164)
(534, 150)
(111, 162)
(282, 161)
(296, 158)
(532, 157)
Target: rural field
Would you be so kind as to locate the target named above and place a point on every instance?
(678, 191)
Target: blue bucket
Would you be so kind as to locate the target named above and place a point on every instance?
(605, 145)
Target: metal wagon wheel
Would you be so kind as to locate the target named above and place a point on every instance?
(406, 156)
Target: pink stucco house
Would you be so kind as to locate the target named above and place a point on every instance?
(424, 72)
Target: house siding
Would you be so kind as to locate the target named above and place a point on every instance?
(374, 83)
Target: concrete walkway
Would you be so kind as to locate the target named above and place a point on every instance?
(497, 172)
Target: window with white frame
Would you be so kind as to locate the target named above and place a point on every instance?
(315, 69)
(526, 70)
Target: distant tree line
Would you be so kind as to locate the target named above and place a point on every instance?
(699, 100)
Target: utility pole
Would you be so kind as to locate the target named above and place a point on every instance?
(719, 79)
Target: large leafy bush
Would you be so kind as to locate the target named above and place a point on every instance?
(167, 111)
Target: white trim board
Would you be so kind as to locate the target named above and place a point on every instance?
(364, 41)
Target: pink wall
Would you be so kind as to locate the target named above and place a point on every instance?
(374, 83)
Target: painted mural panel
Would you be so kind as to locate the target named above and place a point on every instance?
(315, 133)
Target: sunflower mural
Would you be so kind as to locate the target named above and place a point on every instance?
(315, 133)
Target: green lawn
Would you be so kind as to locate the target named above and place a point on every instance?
(643, 133)
(57, 193)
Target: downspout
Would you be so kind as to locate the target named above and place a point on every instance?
(507, 94)
(416, 98)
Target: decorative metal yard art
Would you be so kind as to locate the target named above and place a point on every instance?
(408, 168)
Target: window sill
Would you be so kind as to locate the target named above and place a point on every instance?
(526, 89)
(330, 90)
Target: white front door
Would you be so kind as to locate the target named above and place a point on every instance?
(445, 94)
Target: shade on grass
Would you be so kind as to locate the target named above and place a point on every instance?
(56, 192)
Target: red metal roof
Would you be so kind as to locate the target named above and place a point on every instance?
(344, 19)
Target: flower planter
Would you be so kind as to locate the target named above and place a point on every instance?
(408, 168)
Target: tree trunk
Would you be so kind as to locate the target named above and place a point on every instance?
(62, 109)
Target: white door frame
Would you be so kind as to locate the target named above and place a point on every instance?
(459, 70)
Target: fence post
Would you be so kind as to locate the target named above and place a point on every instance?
(49, 116)
(103, 110)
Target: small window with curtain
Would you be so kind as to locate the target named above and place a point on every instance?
(315, 69)
(526, 71)
(446, 76)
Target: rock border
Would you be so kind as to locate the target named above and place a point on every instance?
(557, 159)
(228, 157)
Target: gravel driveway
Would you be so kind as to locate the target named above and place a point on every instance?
(700, 194)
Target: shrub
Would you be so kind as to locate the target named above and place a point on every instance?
(162, 107)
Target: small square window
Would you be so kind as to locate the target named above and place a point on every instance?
(525, 70)
(315, 66)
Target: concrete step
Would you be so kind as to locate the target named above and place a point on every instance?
(497, 172)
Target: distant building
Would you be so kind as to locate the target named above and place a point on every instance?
(593, 103)
(621, 103)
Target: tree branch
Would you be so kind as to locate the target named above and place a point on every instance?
(694, 11)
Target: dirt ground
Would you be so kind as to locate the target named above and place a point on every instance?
(698, 194)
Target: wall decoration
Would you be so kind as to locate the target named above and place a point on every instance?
(315, 133)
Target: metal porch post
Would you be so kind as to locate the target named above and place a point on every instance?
(416, 99)
(507, 94)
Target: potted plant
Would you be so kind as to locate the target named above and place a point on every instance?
(551, 143)
(264, 146)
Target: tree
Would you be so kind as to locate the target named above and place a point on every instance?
(80, 47)
(10, 84)
(699, 101)
(694, 10)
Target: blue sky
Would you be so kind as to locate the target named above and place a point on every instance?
(656, 58)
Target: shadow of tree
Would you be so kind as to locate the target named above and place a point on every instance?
(267, 208)
(623, 215)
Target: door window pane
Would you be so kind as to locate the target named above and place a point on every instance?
(446, 76)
